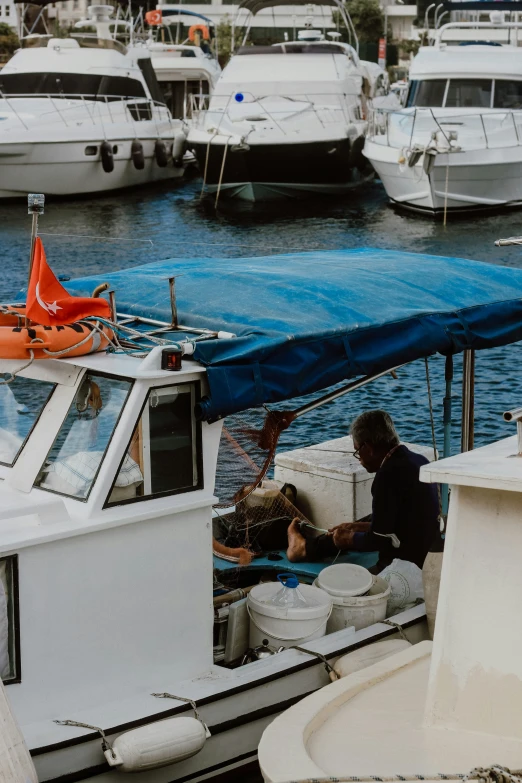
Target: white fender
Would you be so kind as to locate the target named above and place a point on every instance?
(158, 745)
(366, 656)
(179, 145)
(16, 765)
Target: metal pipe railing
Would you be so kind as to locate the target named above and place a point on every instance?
(516, 415)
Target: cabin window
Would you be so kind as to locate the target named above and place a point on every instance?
(469, 94)
(21, 403)
(508, 94)
(164, 453)
(9, 621)
(75, 458)
(428, 93)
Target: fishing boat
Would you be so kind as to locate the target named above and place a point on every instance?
(455, 146)
(125, 637)
(84, 114)
(286, 120)
(441, 710)
(187, 70)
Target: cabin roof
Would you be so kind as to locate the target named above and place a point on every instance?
(306, 321)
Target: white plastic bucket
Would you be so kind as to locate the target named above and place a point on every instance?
(359, 611)
(345, 580)
(286, 626)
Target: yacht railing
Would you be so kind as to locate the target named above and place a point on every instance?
(264, 107)
(98, 109)
(493, 129)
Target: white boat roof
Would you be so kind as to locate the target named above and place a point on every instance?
(67, 56)
(473, 60)
(266, 68)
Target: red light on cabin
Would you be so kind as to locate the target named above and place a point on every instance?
(171, 359)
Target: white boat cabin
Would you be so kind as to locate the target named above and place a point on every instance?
(107, 487)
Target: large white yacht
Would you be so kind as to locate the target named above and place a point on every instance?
(285, 120)
(456, 144)
(187, 69)
(83, 115)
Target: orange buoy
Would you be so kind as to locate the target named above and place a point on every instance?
(48, 342)
(202, 28)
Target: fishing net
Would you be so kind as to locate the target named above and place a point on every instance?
(253, 513)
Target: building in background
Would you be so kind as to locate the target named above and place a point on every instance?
(8, 13)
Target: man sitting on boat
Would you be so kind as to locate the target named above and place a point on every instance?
(405, 512)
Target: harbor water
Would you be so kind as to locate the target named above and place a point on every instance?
(127, 229)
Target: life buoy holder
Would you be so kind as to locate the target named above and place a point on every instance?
(48, 342)
(202, 28)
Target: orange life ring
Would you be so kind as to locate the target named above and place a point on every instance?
(203, 29)
(48, 342)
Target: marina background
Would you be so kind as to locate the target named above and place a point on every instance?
(180, 225)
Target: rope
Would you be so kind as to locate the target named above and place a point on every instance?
(446, 192)
(493, 774)
(400, 629)
(12, 375)
(221, 173)
(206, 166)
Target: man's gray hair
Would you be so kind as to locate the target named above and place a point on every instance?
(375, 427)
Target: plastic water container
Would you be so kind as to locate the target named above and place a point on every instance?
(289, 595)
(287, 613)
(358, 611)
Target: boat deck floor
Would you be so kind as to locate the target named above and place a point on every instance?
(279, 563)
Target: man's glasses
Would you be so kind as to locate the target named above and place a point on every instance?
(357, 452)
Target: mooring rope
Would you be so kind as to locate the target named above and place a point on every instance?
(493, 774)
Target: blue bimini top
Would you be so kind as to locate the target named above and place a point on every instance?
(306, 321)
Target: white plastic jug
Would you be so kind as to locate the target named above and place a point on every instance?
(289, 596)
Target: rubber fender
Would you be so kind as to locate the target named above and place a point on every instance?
(159, 744)
(357, 159)
(107, 157)
(178, 148)
(161, 153)
(137, 155)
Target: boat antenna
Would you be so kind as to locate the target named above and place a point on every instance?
(35, 207)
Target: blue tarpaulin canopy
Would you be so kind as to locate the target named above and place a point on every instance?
(307, 321)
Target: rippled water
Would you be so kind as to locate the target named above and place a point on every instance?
(180, 225)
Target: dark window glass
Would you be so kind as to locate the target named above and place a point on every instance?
(91, 86)
(426, 94)
(508, 94)
(469, 94)
(164, 455)
(149, 75)
(9, 620)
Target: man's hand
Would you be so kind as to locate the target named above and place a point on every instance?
(343, 534)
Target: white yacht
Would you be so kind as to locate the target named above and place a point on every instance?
(285, 120)
(457, 143)
(187, 70)
(84, 114)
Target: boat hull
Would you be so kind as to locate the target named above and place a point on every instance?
(236, 709)
(267, 171)
(457, 182)
(63, 168)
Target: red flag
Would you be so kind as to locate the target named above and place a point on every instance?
(49, 304)
(154, 17)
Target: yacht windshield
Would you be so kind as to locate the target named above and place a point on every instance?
(91, 86)
(465, 93)
(75, 458)
(21, 403)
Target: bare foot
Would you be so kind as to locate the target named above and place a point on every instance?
(296, 542)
